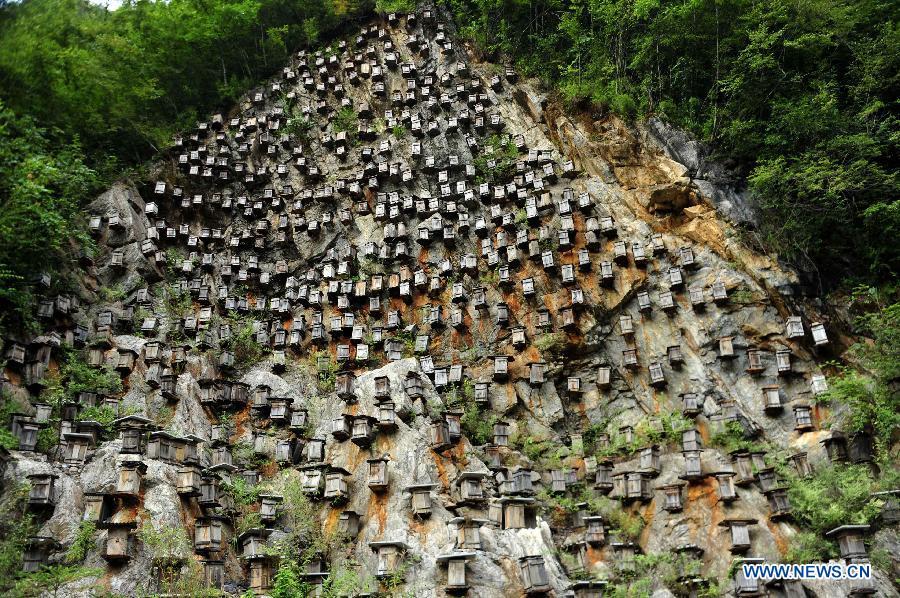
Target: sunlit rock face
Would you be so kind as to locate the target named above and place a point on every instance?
(464, 321)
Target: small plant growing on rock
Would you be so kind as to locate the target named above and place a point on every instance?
(247, 351)
(345, 120)
(833, 496)
(477, 425)
(83, 543)
(551, 344)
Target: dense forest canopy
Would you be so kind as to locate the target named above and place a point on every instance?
(799, 97)
(122, 81)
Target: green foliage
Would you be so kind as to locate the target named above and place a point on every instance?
(9, 405)
(666, 430)
(49, 580)
(833, 496)
(243, 493)
(629, 525)
(76, 376)
(872, 396)
(43, 183)
(83, 543)
(662, 570)
(111, 294)
(408, 338)
(103, 414)
(47, 438)
(246, 457)
(304, 538)
(165, 543)
(16, 526)
(345, 580)
(673, 424)
(288, 582)
(247, 521)
(326, 374)
(477, 425)
(802, 96)
(297, 124)
(124, 80)
(551, 343)
(498, 159)
(532, 448)
(460, 396)
(398, 6)
(341, 581)
(183, 578)
(732, 437)
(809, 547)
(346, 120)
(882, 559)
(8, 440)
(247, 351)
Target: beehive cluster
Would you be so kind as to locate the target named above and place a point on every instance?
(385, 213)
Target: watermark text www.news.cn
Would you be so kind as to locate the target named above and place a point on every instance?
(808, 571)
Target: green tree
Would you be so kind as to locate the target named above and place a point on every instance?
(43, 184)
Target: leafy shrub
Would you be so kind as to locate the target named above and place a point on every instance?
(398, 6)
(247, 351)
(76, 376)
(551, 343)
(16, 526)
(43, 183)
(166, 542)
(243, 493)
(83, 543)
(103, 414)
(477, 425)
(502, 151)
(346, 119)
(833, 496)
(809, 547)
(733, 437)
(872, 396)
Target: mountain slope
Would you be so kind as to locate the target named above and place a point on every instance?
(392, 251)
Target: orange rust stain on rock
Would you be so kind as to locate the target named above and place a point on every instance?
(240, 419)
(14, 378)
(703, 429)
(780, 541)
(376, 509)
(647, 515)
(580, 407)
(331, 520)
(384, 443)
(420, 300)
(419, 528)
(459, 452)
(705, 491)
(819, 413)
(269, 469)
(515, 306)
(593, 556)
(442, 471)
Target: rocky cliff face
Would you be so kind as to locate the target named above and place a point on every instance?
(544, 325)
